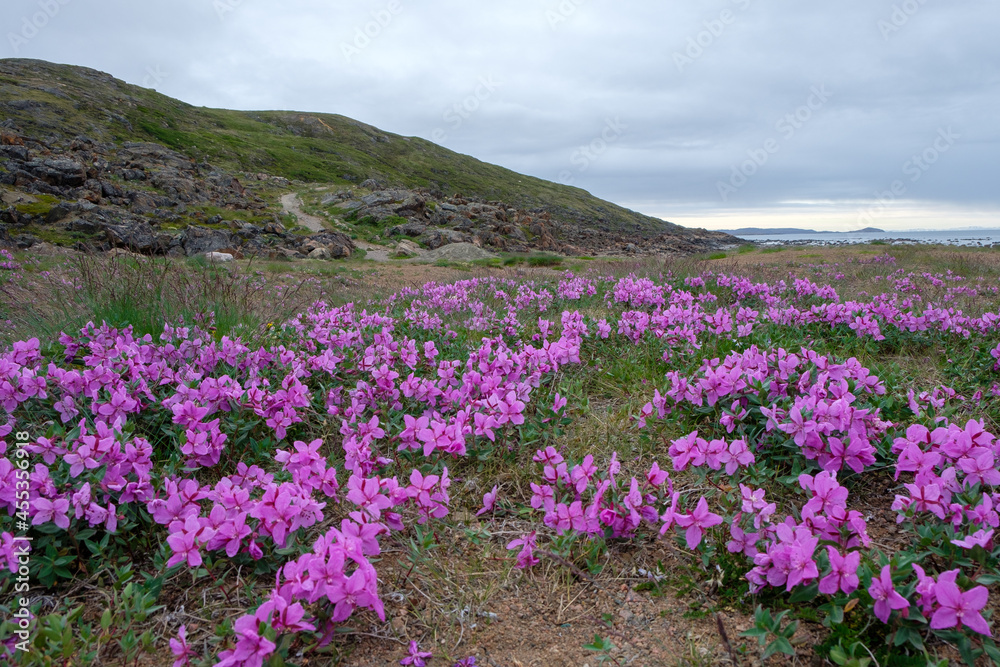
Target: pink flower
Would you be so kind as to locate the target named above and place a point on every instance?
(655, 477)
(489, 501)
(737, 455)
(979, 538)
(549, 457)
(669, 516)
(827, 493)
(417, 658)
(742, 542)
(511, 409)
(365, 494)
(185, 548)
(957, 608)
(567, 517)
(885, 595)
(282, 615)
(526, 558)
(250, 649)
(981, 469)
(47, 510)
(843, 573)
(358, 590)
(925, 589)
(180, 649)
(697, 522)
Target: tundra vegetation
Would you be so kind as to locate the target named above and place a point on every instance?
(747, 459)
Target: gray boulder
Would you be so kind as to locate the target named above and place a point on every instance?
(60, 172)
(378, 198)
(436, 238)
(59, 212)
(19, 153)
(138, 237)
(339, 245)
(411, 204)
(411, 228)
(199, 240)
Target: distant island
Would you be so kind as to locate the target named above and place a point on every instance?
(755, 231)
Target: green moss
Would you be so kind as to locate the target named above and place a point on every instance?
(56, 235)
(39, 208)
(36, 209)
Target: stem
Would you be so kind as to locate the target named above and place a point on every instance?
(220, 586)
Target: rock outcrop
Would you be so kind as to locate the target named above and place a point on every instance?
(139, 197)
(150, 199)
(434, 221)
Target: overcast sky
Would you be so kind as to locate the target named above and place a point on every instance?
(715, 113)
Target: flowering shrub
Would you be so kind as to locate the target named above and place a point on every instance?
(300, 455)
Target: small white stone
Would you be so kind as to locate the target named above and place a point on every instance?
(218, 257)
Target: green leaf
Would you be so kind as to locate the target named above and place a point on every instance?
(779, 645)
(993, 652)
(836, 615)
(804, 594)
(72, 616)
(599, 644)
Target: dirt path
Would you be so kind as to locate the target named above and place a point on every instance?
(292, 204)
(377, 253)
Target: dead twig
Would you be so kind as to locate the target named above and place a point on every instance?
(725, 638)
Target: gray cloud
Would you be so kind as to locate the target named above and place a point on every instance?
(696, 90)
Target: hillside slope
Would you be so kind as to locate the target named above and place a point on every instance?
(62, 101)
(93, 162)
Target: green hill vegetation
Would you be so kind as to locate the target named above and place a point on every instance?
(62, 101)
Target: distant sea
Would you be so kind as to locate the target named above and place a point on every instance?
(974, 237)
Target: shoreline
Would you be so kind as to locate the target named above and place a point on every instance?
(893, 241)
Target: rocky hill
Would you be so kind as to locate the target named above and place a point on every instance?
(89, 160)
